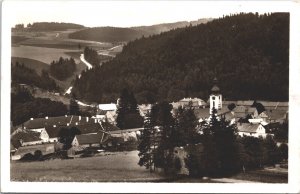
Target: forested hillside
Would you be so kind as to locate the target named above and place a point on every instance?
(249, 53)
(21, 74)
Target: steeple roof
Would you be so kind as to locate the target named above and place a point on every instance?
(215, 89)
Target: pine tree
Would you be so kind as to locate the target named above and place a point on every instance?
(164, 152)
(74, 108)
(220, 156)
(128, 112)
(122, 108)
(185, 126)
(147, 144)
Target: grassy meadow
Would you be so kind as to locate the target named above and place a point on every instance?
(108, 167)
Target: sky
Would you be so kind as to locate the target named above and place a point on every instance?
(124, 13)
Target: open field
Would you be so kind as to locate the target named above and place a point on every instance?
(119, 167)
(55, 39)
(46, 55)
(116, 167)
(38, 66)
(263, 176)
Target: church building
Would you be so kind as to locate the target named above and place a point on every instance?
(215, 98)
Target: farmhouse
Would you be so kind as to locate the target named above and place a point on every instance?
(90, 140)
(255, 130)
(106, 112)
(27, 138)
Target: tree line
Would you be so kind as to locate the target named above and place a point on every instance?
(249, 53)
(24, 75)
(63, 68)
(46, 26)
(213, 149)
(22, 103)
(91, 56)
(24, 106)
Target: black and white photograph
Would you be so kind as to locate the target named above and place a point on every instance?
(134, 92)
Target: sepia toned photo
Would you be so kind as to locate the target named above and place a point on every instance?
(148, 92)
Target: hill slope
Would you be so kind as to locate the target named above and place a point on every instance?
(114, 34)
(248, 53)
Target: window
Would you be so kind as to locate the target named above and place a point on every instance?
(213, 98)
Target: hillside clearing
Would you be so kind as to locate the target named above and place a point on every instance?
(38, 66)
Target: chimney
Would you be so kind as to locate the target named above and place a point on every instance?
(95, 120)
(31, 119)
(79, 118)
(87, 119)
(46, 117)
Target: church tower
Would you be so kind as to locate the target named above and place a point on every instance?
(215, 98)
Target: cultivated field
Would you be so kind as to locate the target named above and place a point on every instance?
(43, 54)
(114, 167)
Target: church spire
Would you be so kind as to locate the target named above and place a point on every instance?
(215, 89)
(215, 97)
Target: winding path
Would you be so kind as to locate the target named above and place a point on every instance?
(89, 66)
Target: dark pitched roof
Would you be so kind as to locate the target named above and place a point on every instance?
(276, 114)
(88, 128)
(59, 121)
(52, 131)
(91, 138)
(26, 136)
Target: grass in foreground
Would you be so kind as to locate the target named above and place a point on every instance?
(117, 167)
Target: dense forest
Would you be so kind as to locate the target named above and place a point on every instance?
(24, 75)
(63, 68)
(249, 54)
(46, 26)
(91, 56)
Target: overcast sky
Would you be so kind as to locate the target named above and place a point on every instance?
(125, 13)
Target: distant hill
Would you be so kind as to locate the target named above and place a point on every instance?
(47, 26)
(156, 29)
(249, 53)
(115, 34)
(106, 34)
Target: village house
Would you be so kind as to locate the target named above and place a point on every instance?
(26, 138)
(254, 130)
(106, 113)
(194, 102)
(89, 140)
(47, 130)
